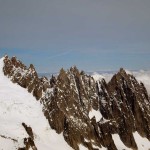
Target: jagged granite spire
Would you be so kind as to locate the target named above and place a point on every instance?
(68, 100)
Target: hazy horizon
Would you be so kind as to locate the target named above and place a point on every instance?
(93, 35)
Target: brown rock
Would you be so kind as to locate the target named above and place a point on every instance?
(123, 103)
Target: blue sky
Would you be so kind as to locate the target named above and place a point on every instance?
(93, 35)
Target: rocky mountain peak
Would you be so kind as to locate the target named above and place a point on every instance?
(122, 71)
(86, 111)
(74, 69)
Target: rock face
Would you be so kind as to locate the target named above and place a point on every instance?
(69, 99)
(28, 142)
(25, 77)
(128, 105)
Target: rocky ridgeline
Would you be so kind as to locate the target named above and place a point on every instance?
(25, 77)
(68, 99)
(125, 103)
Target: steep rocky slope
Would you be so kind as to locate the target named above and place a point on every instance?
(22, 123)
(89, 113)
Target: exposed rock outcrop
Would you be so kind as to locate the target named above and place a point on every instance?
(68, 99)
(29, 144)
(25, 77)
(29, 141)
(128, 105)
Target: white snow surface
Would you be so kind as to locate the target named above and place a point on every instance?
(18, 106)
(8, 144)
(81, 147)
(142, 143)
(119, 144)
(96, 114)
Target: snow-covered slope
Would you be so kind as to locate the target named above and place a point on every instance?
(119, 143)
(142, 143)
(96, 114)
(70, 110)
(18, 106)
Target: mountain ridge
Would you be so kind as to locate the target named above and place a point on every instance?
(69, 98)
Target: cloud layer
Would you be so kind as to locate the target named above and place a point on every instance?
(141, 76)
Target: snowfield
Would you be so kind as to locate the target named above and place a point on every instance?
(142, 143)
(119, 144)
(96, 114)
(18, 106)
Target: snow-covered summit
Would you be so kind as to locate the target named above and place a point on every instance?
(90, 114)
(18, 106)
